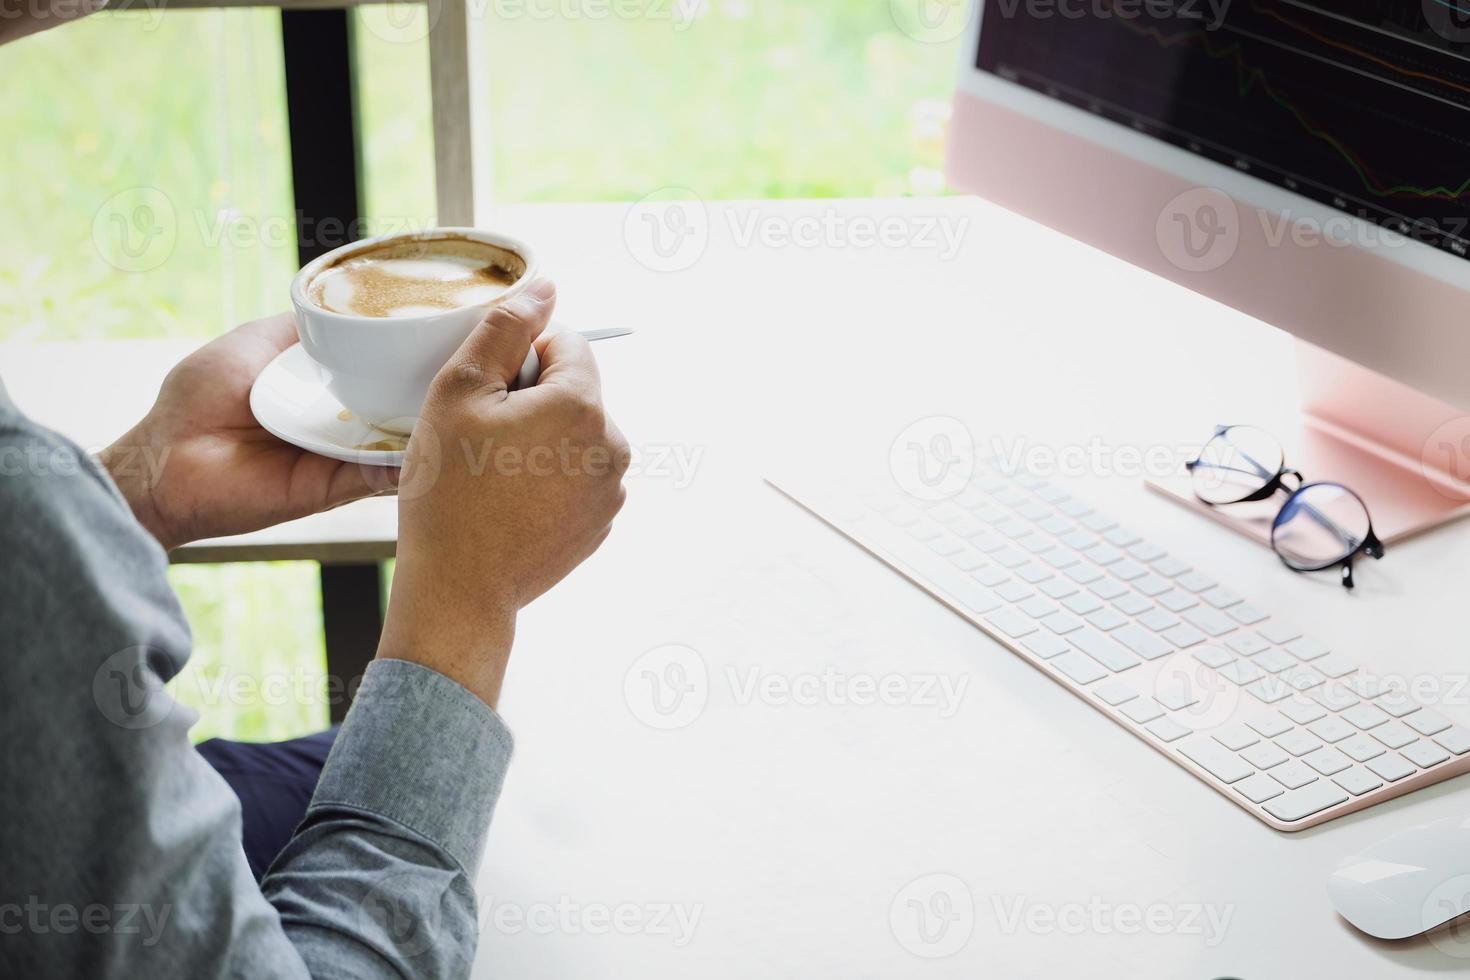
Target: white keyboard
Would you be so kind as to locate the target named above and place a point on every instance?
(1276, 721)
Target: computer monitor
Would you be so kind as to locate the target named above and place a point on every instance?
(1308, 164)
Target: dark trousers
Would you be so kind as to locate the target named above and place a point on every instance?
(274, 781)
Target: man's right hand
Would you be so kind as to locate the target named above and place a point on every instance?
(502, 494)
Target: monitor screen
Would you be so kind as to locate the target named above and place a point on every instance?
(1363, 105)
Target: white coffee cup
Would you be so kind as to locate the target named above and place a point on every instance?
(380, 367)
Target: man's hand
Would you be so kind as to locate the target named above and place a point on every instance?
(199, 465)
(504, 492)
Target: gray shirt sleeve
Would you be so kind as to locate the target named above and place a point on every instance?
(120, 850)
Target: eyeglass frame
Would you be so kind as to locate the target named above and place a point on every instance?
(1371, 545)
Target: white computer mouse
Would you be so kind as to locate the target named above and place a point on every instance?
(1408, 883)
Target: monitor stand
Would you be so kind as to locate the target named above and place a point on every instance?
(1406, 454)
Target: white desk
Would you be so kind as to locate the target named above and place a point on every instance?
(793, 828)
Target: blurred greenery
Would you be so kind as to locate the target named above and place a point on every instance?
(147, 189)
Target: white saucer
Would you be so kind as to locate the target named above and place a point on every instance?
(291, 401)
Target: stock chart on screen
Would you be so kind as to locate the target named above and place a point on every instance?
(1363, 105)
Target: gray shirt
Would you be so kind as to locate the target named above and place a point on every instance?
(120, 850)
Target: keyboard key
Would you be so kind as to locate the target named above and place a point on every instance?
(1333, 697)
(1454, 738)
(1212, 656)
(1211, 621)
(1269, 690)
(1104, 650)
(1258, 788)
(1108, 589)
(1169, 567)
(1176, 692)
(1121, 536)
(1236, 737)
(1081, 603)
(1106, 619)
(968, 560)
(1141, 642)
(1304, 802)
(1074, 508)
(1058, 559)
(991, 575)
(1292, 774)
(1143, 710)
(1058, 588)
(1335, 665)
(1178, 601)
(1060, 622)
(1395, 734)
(1424, 754)
(1332, 729)
(1279, 632)
(1127, 570)
(1146, 551)
(1398, 704)
(1152, 585)
(1102, 554)
(1221, 597)
(1097, 522)
(1215, 759)
(1014, 591)
(924, 530)
(1114, 692)
(946, 545)
(1183, 636)
(1427, 722)
(1361, 748)
(1195, 582)
(1303, 712)
(1036, 607)
(1132, 604)
(1327, 761)
(1306, 648)
(1247, 644)
(1366, 686)
(1301, 677)
(1158, 620)
(1241, 672)
(1364, 716)
(1298, 742)
(1357, 781)
(1391, 767)
(1246, 615)
(1083, 670)
(1084, 574)
(1264, 755)
(1010, 622)
(1045, 645)
(1166, 729)
(1273, 661)
(963, 588)
(1270, 724)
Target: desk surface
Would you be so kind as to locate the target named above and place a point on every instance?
(791, 830)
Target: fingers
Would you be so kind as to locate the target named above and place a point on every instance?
(351, 482)
(567, 367)
(492, 355)
(278, 332)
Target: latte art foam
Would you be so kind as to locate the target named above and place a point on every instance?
(416, 278)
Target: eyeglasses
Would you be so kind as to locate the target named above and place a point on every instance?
(1321, 525)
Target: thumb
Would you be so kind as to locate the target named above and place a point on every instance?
(492, 355)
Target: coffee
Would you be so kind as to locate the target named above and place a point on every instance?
(416, 277)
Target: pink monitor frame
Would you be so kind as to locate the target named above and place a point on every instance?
(1384, 333)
